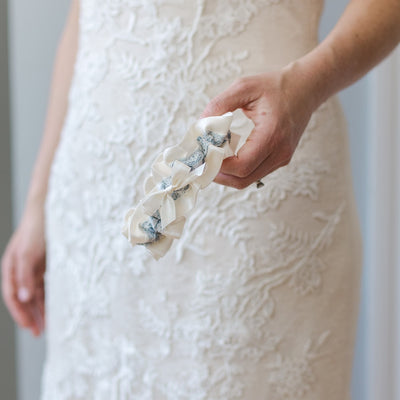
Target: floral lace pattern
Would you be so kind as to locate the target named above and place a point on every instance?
(213, 319)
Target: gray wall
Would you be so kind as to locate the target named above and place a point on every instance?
(34, 31)
(355, 101)
(7, 345)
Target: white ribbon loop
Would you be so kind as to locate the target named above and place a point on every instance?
(176, 177)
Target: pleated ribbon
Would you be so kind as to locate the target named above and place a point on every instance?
(176, 177)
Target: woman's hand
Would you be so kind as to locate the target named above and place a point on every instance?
(24, 260)
(23, 267)
(280, 106)
(280, 103)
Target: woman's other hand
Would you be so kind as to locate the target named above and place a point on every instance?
(24, 260)
(280, 106)
(23, 267)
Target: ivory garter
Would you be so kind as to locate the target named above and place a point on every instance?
(177, 175)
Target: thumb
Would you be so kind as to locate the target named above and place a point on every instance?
(238, 95)
(25, 279)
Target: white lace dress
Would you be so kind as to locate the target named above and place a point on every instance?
(258, 300)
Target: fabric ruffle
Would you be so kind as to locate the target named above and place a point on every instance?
(176, 177)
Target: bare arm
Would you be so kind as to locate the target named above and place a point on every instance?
(281, 102)
(366, 33)
(58, 101)
(24, 260)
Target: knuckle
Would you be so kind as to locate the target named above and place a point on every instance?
(215, 105)
(241, 83)
(240, 184)
(244, 170)
(289, 157)
(286, 153)
(26, 255)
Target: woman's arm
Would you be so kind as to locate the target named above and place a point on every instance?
(281, 102)
(23, 262)
(366, 33)
(57, 107)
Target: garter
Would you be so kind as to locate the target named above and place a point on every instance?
(177, 175)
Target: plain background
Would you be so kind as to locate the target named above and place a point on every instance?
(7, 344)
(34, 28)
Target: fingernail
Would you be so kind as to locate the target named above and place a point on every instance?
(23, 294)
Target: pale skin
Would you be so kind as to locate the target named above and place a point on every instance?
(279, 102)
(23, 262)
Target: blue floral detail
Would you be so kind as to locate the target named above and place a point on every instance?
(197, 158)
(152, 227)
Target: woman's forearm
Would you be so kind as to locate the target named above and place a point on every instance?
(366, 33)
(57, 106)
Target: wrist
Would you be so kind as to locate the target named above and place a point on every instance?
(35, 202)
(313, 76)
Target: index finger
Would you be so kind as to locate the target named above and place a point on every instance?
(239, 94)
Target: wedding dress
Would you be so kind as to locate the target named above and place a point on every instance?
(258, 299)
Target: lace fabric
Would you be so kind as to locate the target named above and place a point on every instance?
(258, 298)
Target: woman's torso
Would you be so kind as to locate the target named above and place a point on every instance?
(144, 72)
(248, 281)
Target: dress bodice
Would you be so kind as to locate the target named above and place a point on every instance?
(169, 57)
(162, 31)
(146, 69)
